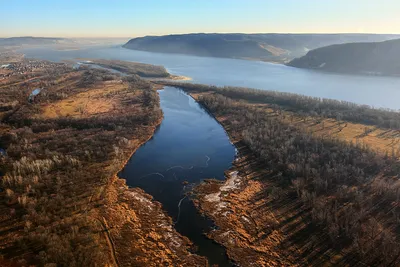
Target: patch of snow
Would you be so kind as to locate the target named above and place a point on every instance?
(244, 218)
(225, 234)
(226, 213)
(175, 242)
(214, 197)
(142, 199)
(232, 182)
(179, 209)
(322, 65)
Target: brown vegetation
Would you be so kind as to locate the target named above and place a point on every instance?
(141, 69)
(304, 105)
(324, 200)
(62, 203)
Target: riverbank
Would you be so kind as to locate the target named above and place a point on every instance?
(181, 154)
(142, 232)
(264, 218)
(246, 225)
(71, 208)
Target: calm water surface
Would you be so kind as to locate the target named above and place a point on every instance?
(374, 91)
(188, 146)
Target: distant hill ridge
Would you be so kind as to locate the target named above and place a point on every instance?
(29, 40)
(373, 58)
(267, 47)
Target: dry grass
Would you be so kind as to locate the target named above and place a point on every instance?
(383, 140)
(94, 102)
(266, 225)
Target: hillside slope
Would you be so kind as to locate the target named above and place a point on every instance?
(28, 40)
(379, 58)
(268, 47)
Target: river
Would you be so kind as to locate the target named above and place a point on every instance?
(375, 91)
(188, 147)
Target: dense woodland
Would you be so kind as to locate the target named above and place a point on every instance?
(351, 192)
(371, 58)
(51, 189)
(134, 68)
(305, 105)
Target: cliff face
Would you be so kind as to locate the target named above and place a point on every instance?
(379, 58)
(267, 47)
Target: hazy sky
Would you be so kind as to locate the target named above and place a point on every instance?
(124, 18)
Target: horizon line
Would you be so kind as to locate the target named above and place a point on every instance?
(123, 37)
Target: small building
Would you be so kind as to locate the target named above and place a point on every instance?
(34, 93)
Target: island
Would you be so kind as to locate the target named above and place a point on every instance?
(371, 58)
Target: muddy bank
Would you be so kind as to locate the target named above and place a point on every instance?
(246, 226)
(239, 206)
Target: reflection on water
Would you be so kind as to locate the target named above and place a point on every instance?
(375, 91)
(189, 146)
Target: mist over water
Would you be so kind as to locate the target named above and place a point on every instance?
(370, 90)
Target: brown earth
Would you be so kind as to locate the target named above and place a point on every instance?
(81, 214)
(262, 225)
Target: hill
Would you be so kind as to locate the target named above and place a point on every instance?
(376, 58)
(267, 47)
(29, 40)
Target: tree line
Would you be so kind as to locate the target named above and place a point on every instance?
(57, 170)
(305, 105)
(350, 190)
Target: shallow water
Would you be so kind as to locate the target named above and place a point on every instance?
(374, 91)
(189, 146)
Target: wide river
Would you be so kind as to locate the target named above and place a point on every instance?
(374, 91)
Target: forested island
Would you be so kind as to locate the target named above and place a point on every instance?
(372, 58)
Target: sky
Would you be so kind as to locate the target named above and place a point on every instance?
(132, 18)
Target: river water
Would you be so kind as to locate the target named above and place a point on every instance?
(374, 91)
(188, 146)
